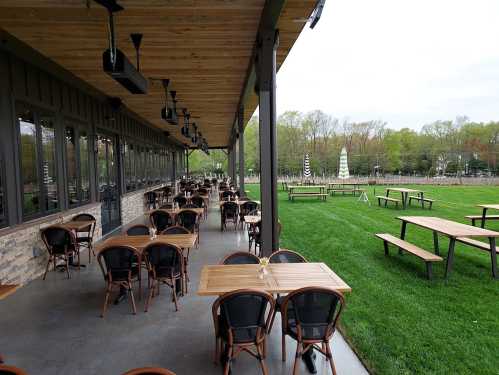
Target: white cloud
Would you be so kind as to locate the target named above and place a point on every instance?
(405, 62)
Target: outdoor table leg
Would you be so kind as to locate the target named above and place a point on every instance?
(421, 195)
(404, 200)
(450, 257)
(484, 214)
(493, 257)
(387, 193)
(402, 233)
(435, 243)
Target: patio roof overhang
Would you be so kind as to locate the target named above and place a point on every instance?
(205, 47)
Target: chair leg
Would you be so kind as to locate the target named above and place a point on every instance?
(150, 295)
(47, 267)
(228, 361)
(272, 320)
(106, 301)
(330, 357)
(261, 354)
(132, 299)
(217, 351)
(283, 347)
(66, 260)
(297, 357)
(174, 290)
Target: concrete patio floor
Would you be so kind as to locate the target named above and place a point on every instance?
(53, 327)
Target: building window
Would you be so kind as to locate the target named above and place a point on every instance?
(38, 163)
(130, 171)
(77, 162)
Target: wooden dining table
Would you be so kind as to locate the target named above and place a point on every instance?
(252, 219)
(280, 278)
(453, 230)
(175, 212)
(77, 225)
(183, 241)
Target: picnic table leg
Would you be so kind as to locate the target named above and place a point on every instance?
(450, 257)
(493, 257)
(484, 214)
(421, 195)
(402, 233)
(387, 193)
(435, 243)
(404, 200)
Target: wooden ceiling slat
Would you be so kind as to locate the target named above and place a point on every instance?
(203, 46)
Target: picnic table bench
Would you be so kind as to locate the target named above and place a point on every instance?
(421, 199)
(388, 199)
(343, 188)
(307, 191)
(429, 258)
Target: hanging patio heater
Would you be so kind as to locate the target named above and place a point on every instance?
(114, 61)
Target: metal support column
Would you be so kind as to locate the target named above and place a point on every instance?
(266, 88)
(230, 155)
(187, 163)
(240, 124)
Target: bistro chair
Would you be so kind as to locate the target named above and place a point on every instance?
(61, 244)
(245, 209)
(190, 220)
(160, 220)
(190, 205)
(229, 212)
(149, 371)
(227, 194)
(199, 201)
(138, 230)
(181, 200)
(85, 237)
(11, 370)
(241, 319)
(120, 268)
(151, 200)
(283, 256)
(240, 257)
(165, 265)
(177, 229)
(310, 316)
(204, 190)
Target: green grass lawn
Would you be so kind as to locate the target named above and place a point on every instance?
(397, 321)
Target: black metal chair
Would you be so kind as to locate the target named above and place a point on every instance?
(283, 256)
(229, 213)
(85, 237)
(178, 229)
(241, 319)
(151, 200)
(61, 244)
(310, 316)
(227, 194)
(181, 200)
(190, 220)
(240, 257)
(160, 220)
(165, 264)
(120, 267)
(245, 209)
(138, 230)
(190, 205)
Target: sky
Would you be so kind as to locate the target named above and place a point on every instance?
(405, 62)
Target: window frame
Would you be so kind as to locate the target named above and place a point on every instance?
(43, 193)
(78, 128)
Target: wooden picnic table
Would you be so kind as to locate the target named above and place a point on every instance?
(486, 207)
(307, 191)
(281, 278)
(184, 241)
(7, 289)
(405, 195)
(454, 231)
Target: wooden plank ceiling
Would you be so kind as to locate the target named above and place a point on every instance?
(202, 46)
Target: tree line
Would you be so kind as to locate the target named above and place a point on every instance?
(459, 147)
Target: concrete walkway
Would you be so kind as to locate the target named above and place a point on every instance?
(53, 327)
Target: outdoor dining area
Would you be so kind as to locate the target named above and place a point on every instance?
(221, 298)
